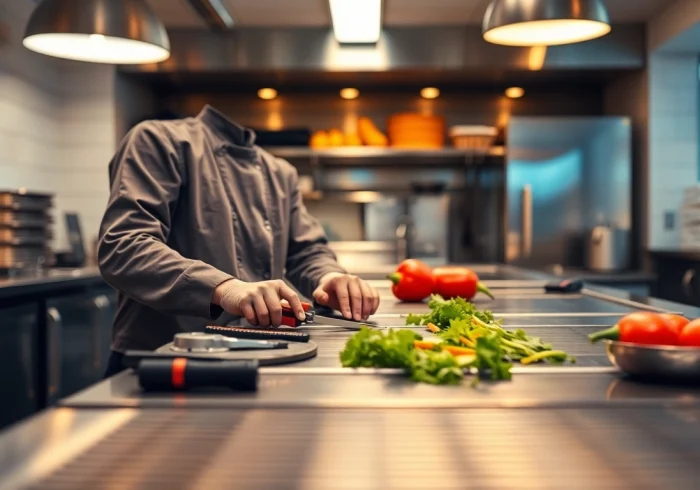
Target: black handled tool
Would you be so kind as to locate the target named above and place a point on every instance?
(259, 333)
(181, 373)
(571, 286)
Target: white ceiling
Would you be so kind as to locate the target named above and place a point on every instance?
(308, 13)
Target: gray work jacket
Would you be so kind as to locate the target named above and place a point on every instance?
(193, 203)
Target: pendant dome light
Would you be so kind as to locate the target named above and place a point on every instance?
(100, 31)
(544, 22)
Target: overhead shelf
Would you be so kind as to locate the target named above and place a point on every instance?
(353, 154)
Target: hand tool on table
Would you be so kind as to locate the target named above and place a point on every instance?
(209, 343)
(314, 320)
(180, 373)
(259, 333)
(570, 286)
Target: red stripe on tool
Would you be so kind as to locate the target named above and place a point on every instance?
(178, 373)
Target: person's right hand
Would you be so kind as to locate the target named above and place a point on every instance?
(259, 302)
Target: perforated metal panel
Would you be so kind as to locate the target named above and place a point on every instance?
(406, 449)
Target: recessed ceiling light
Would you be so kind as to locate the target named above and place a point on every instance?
(515, 92)
(356, 21)
(430, 93)
(123, 32)
(349, 93)
(267, 93)
(544, 22)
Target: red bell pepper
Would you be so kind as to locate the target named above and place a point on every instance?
(640, 328)
(453, 282)
(413, 281)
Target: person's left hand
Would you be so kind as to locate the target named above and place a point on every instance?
(350, 295)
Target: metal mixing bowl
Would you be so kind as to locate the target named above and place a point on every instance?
(651, 361)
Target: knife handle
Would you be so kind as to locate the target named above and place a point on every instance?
(181, 374)
(289, 319)
(258, 333)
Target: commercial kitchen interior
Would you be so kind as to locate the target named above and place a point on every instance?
(550, 162)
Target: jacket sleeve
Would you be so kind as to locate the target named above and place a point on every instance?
(309, 257)
(146, 176)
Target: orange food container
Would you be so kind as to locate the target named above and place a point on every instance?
(409, 130)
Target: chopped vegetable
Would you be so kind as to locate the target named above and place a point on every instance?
(558, 356)
(462, 324)
(424, 344)
(457, 351)
(471, 338)
(412, 281)
(458, 282)
(373, 348)
(442, 311)
(640, 328)
(437, 368)
(396, 349)
(490, 358)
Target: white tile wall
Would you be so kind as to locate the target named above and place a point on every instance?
(57, 125)
(673, 140)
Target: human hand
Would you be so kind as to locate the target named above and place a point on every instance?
(350, 295)
(259, 302)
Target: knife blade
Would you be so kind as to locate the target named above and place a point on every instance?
(313, 321)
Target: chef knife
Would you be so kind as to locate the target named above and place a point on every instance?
(315, 321)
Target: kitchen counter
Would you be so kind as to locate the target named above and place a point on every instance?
(49, 281)
(316, 425)
(595, 277)
(687, 254)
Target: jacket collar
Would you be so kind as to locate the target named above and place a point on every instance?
(228, 131)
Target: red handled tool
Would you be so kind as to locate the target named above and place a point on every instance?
(312, 319)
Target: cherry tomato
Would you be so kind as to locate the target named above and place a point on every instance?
(647, 328)
(640, 328)
(675, 322)
(690, 336)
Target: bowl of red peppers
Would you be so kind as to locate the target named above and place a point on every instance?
(662, 346)
(414, 281)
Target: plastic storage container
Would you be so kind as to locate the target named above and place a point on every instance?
(473, 137)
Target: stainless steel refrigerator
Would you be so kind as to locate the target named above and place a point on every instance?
(564, 176)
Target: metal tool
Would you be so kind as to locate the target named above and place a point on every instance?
(180, 373)
(258, 333)
(316, 321)
(668, 363)
(200, 342)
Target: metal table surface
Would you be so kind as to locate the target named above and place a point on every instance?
(575, 448)
(315, 425)
(342, 388)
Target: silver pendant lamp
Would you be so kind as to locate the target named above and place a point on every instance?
(544, 22)
(99, 31)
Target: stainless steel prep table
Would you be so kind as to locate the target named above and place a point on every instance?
(315, 425)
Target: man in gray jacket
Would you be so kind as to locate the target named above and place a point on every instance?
(200, 228)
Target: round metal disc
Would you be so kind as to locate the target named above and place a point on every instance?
(199, 342)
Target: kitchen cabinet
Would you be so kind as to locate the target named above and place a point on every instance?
(19, 359)
(678, 277)
(79, 336)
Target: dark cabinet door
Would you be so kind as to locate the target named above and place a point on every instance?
(79, 335)
(679, 280)
(18, 362)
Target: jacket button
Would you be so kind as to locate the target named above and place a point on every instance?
(267, 225)
(266, 276)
